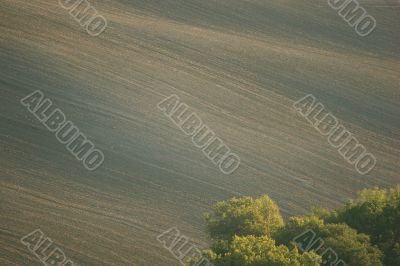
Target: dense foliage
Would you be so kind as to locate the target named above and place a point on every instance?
(257, 251)
(375, 212)
(244, 216)
(251, 232)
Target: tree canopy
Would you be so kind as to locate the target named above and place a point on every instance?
(376, 212)
(244, 216)
(251, 232)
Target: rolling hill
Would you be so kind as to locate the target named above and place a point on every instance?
(240, 65)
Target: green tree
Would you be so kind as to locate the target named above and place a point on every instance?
(375, 212)
(251, 232)
(261, 251)
(338, 241)
(244, 216)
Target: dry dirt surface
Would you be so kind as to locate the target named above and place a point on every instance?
(240, 65)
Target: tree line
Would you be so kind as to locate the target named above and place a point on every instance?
(251, 232)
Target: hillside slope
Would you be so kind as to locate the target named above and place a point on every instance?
(239, 65)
